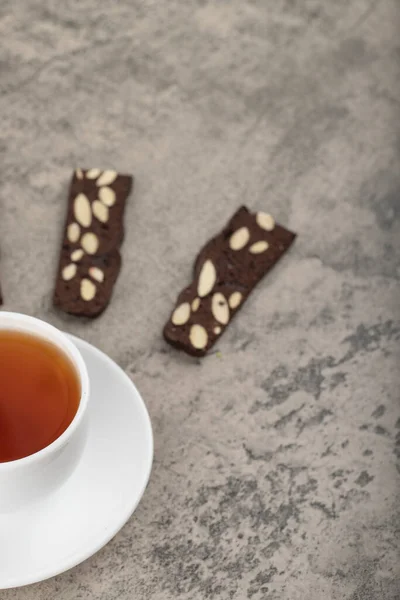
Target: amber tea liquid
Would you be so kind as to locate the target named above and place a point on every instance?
(39, 394)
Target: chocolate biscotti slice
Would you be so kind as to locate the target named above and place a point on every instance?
(225, 272)
(90, 258)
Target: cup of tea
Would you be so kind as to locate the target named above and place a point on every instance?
(44, 395)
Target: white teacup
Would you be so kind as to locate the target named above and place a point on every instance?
(29, 479)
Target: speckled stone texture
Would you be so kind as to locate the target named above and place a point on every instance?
(277, 464)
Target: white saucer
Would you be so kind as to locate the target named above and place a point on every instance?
(46, 539)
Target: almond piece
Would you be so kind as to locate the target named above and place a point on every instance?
(93, 173)
(96, 274)
(239, 239)
(181, 314)
(73, 232)
(88, 290)
(220, 308)
(235, 299)
(82, 211)
(107, 196)
(265, 221)
(258, 247)
(90, 243)
(107, 177)
(68, 272)
(195, 304)
(100, 211)
(198, 337)
(207, 279)
(77, 255)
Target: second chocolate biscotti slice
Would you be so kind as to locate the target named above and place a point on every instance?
(225, 272)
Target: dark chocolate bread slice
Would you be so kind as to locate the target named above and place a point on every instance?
(225, 272)
(90, 260)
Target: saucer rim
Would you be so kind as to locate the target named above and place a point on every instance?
(78, 558)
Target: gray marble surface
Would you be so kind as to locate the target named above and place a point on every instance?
(277, 472)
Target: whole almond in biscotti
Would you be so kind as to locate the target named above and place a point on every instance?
(90, 258)
(225, 272)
